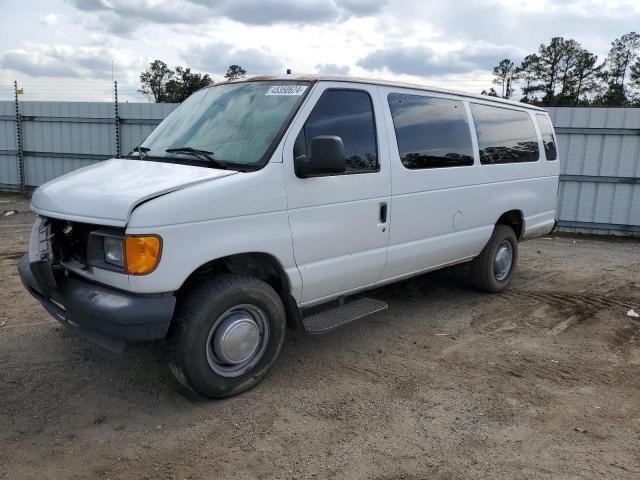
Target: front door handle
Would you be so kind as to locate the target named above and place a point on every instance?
(383, 212)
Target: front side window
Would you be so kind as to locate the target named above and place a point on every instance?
(431, 132)
(347, 114)
(236, 123)
(544, 124)
(504, 135)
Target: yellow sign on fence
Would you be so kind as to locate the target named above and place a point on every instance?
(19, 91)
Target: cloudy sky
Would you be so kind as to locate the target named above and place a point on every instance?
(66, 48)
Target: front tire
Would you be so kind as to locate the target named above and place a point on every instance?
(226, 335)
(491, 271)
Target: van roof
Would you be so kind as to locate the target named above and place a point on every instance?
(389, 83)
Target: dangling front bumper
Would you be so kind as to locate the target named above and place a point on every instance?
(108, 316)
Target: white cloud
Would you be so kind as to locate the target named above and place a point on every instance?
(333, 69)
(426, 41)
(36, 59)
(421, 60)
(126, 15)
(50, 19)
(215, 57)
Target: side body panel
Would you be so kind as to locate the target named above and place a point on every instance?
(446, 215)
(339, 240)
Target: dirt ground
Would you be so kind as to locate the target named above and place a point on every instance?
(540, 382)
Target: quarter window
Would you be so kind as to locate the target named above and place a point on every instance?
(431, 132)
(548, 141)
(349, 115)
(504, 135)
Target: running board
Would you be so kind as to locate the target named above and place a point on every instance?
(333, 318)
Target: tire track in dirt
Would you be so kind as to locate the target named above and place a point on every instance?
(15, 255)
(579, 306)
(576, 301)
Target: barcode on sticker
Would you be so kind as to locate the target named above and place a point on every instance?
(286, 90)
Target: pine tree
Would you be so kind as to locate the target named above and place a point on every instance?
(623, 54)
(503, 73)
(234, 72)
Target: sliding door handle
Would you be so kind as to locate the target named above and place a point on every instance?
(383, 212)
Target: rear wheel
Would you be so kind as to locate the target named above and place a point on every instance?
(226, 335)
(492, 270)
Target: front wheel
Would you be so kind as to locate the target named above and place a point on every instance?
(492, 270)
(226, 335)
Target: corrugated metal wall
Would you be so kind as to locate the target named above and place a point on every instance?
(58, 137)
(9, 174)
(600, 169)
(599, 153)
(138, 120)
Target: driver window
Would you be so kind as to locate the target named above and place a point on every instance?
(349, 115)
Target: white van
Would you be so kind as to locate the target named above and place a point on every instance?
(268, 203)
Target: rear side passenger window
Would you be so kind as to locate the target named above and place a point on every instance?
(431, 132)
(349, 115)
(546, 132)
(504, 135)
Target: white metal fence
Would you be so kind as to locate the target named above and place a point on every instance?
(599, 153)
(43, 140)
(600, 169)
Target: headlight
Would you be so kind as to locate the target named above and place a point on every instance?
(132, 254)
(113, 251)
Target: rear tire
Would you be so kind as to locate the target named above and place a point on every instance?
(491, 271)
(226, 335)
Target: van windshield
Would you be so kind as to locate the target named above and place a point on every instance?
(233, 123)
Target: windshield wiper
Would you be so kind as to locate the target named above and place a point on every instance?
(142, 151)
(196, 152)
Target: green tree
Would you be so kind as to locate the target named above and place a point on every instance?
(234, 72)
(154, 81)
(635, 73)
(491, 93)
(562, 72)
(550, 70)
(635, 80)
(503, 73)
(569, 58)
(586, 77)
(163, 85)
(185, 83)
(550, 57)
(624, 51)
(622, 56)
(528, 73)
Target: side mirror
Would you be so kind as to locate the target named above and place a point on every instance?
(327, 157)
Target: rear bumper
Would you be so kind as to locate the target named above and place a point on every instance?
(104, 315)
(538, 226)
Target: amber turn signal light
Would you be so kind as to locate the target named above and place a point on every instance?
(141, 253)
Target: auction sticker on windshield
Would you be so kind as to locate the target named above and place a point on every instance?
(286, 90)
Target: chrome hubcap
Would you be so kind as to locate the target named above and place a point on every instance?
(503, 261)
(237, 340)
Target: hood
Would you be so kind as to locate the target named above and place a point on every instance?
(106, 193)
